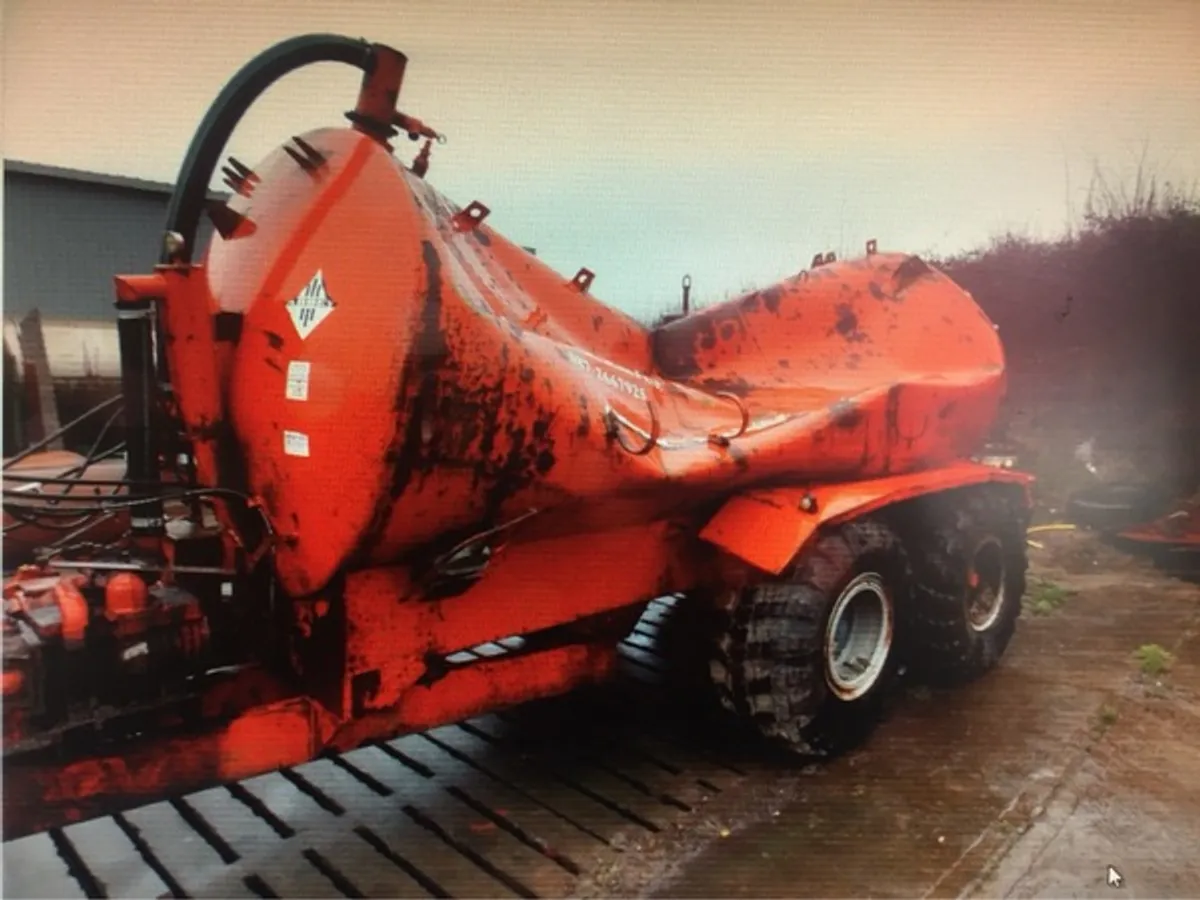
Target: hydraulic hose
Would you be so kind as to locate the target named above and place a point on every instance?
(254, 78)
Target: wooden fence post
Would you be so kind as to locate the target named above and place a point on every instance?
(44, 406)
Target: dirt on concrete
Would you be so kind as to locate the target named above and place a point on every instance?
(1074, 755)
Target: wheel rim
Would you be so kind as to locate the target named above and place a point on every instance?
(985, 585)
(858, 637)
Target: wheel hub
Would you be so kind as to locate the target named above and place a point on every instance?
(985, 585)
(858, 638)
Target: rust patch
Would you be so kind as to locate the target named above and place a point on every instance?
(677, 345)
(909, 271)
(891, 419)
(674, 350)
(415, 398)
(739, 387)
(847, 323)
(845, 414)
(772, 297)
(275, 340)
(528, 454)
(597, 321)
(501, 435)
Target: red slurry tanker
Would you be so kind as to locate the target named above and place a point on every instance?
(363, 432)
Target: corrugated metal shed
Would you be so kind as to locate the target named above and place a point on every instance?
(68, 232)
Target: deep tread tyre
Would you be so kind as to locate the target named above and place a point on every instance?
(685, 639)
(770, 662)
(963, 615)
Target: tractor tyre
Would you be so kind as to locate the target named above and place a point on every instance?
(685, 638)
(969, 562)
(807, 660)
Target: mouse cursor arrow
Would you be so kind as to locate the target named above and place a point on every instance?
(1114, 878)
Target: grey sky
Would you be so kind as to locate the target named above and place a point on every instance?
(649, 139)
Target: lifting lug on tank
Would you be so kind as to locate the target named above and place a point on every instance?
(471, 217)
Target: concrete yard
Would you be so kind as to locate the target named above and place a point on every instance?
(1065, 760)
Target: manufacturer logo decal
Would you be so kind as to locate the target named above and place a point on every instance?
(311, 306)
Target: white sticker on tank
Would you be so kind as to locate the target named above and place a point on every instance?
(295, 443)
(297, 379)
(311, 306)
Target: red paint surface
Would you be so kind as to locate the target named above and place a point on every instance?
(433, 405)
(769, 527)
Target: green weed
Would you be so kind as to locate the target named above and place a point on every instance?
(1045, 597)
(1153, 659)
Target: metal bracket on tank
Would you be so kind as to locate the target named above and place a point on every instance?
(613, 421)
(583, 280)
(723, 440)
(468, 558)
(239, 177)
(306, 156)
(470, 218)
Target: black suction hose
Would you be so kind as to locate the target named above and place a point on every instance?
(191, 187)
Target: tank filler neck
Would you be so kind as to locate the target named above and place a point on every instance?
(375, 112)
